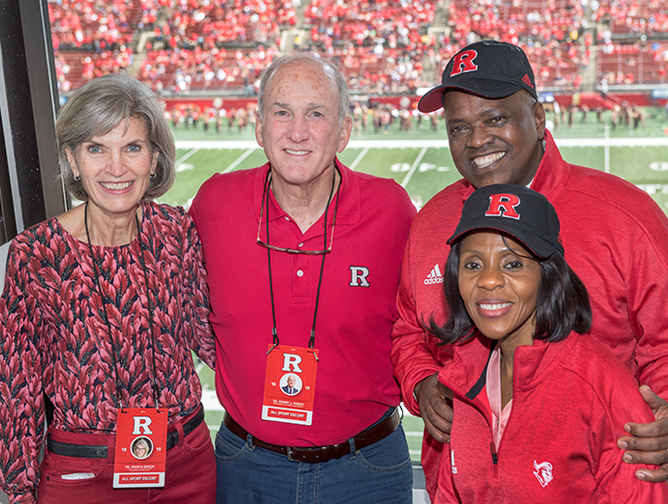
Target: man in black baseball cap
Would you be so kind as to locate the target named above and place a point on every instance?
(615, 235)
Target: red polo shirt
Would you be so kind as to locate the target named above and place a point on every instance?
(356, 309)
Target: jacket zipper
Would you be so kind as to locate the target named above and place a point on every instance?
(495, 458)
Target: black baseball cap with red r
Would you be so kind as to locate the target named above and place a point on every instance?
(488, 68)
(518, 211)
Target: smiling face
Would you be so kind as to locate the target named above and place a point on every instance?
(300, 129)
(291, 381)
(115, 168)
(495, 141)
(498, 282)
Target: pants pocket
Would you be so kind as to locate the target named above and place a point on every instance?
(69, 479)
(388, 454)
(229, 446)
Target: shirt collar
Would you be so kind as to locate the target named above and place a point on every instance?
(349, 211)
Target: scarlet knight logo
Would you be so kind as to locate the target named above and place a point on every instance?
(503, 205)
(543, 473)
(463, 62)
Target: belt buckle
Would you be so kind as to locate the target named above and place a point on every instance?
(289, 449)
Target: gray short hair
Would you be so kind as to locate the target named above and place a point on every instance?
(96, 109)
(329, 69)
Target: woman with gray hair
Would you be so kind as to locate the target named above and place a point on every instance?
(101, 308)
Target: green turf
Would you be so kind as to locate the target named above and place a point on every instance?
(655, 122)
(204, 164)
(413, 428)
(348, 156)
(593, 157)
(640, 165)
(635, 164)
(435, 169)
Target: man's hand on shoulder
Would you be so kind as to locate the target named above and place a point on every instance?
(435, 403)
(649, 444)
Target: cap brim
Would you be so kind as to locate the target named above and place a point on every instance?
(539, 246)
(433, 99)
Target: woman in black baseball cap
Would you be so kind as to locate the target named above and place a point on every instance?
(538, 404)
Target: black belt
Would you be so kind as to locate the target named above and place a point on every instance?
(321, 453)
(97, 451)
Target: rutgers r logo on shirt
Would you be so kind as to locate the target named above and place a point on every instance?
(358, 276)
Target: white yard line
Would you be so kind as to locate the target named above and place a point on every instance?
(185, 157)
(408, 176)
(359, 158)
(606, 151)
(239, 160)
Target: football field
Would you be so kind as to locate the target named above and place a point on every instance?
(420, 161)
(424, 166)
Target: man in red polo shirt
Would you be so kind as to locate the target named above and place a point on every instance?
(303, 258)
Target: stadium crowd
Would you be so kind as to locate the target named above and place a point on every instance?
(207, 25)
(635, 17)
(382, 47)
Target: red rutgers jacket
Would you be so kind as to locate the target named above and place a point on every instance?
(570, 402)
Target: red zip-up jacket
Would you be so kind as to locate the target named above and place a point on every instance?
(571, 400)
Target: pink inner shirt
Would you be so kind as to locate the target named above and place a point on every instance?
(499, 417)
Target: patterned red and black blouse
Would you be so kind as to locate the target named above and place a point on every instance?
(55, 341)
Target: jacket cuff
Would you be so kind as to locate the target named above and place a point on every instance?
(410, 399)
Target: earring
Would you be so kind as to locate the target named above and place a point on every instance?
(153, 175)
(77, 178)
